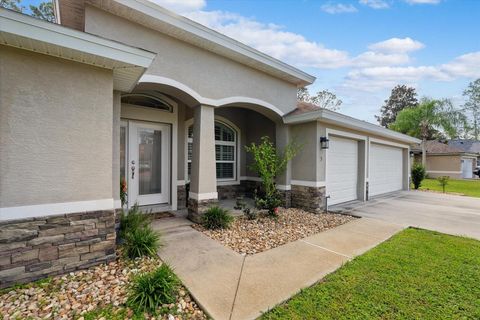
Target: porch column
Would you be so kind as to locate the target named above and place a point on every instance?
(203, 180)
(282, 138)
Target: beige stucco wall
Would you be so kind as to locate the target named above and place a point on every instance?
(55, 130)
(443, 163)
(210, 75)
(305, 164)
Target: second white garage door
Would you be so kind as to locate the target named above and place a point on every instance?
(342, 170)
(386, 169)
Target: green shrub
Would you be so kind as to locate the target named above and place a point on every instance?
(250, 213)
(418, 174)
(269, 163)
(216, 218)
(132, 220)
(270, 203)
(443, 181)
(151, 290)
(140, 242)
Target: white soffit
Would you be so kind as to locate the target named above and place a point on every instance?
(28, 33)
(342, 120)
(148, 14)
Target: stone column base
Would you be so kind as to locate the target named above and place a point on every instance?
(286, 196)
(196, 208)
(310, 199)
(181, 197)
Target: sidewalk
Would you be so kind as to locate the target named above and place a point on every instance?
(228, 285)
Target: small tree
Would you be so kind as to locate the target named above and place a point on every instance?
(443, 181)
(418, 174)
(268, 164)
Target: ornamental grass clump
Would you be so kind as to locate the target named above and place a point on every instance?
(149, 291)
(139, 239)
(141, 242)
(217, 218)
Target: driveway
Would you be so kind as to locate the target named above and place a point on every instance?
(457, 215)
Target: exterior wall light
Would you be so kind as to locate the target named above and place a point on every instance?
(324, 142)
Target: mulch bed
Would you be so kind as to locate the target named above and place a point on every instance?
(264, 233)
(72, 295)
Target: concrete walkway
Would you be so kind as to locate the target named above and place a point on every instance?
(228, 285)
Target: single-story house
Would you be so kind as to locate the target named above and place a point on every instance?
(446, 160)
(129, 90)
(468, 146)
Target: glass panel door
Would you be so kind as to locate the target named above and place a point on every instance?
(148, 163)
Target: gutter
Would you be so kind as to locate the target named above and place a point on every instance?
(336, 118)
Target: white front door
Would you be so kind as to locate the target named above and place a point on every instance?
(342, 170)
(148, 163)
(386, 169)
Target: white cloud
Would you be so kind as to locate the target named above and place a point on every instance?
(467, 65)
(376, 78)
(423, 1)
(334, 8)
(375, 4)
(181, 6)
(273, 40)
(371, 58)
(397, 45)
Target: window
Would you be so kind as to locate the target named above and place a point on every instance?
(225, 151)
(146, 100)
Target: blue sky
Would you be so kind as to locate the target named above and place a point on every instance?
(357, 49)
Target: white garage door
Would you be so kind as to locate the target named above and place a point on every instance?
(467, 171)
(386, 169)
(342, 170)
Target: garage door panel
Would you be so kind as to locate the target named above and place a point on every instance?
(342, 170)
(386, 169)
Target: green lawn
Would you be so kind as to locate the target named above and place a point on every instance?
(467, 187)
(417, 274)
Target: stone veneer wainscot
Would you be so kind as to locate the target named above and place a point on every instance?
(35, 248)
(310, 199)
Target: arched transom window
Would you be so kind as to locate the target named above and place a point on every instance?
(225, 151)
(146, 99)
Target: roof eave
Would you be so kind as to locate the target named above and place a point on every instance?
(297, 76)
(28, 33)
(346, 121)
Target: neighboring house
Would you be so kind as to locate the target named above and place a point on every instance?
(446, 160)
(129, 90)
(469, 146)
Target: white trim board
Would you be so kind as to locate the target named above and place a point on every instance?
(49, 209)
(305, 183)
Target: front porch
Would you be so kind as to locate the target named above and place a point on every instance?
(176, 152)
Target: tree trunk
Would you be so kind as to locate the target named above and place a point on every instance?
(424, 152)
